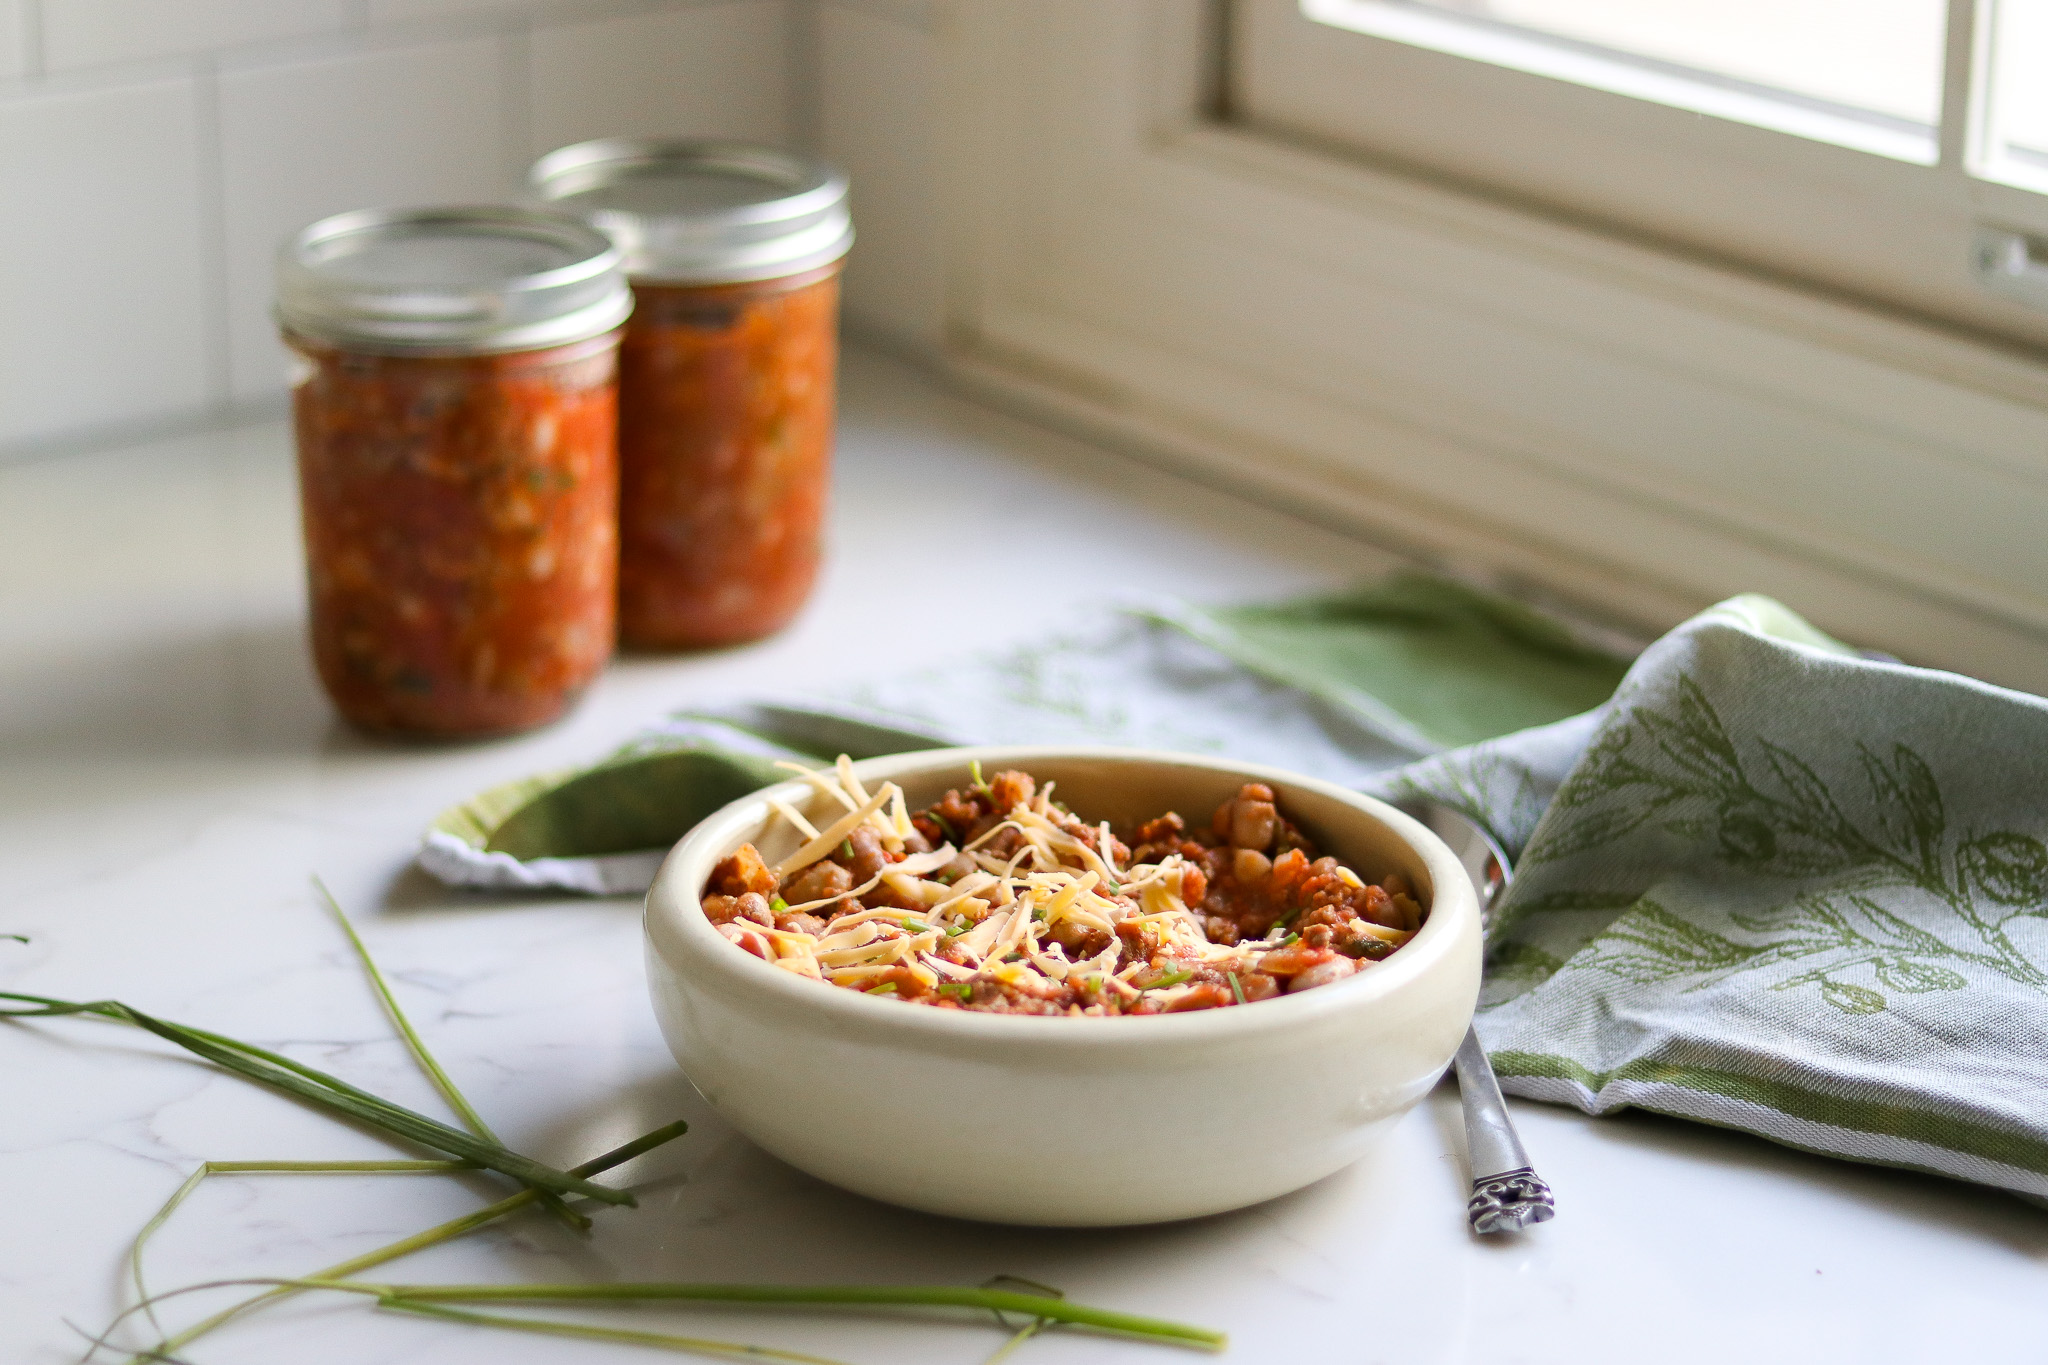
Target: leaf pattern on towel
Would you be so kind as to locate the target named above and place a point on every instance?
(1889, 900)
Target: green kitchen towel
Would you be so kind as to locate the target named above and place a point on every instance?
(1779, 887)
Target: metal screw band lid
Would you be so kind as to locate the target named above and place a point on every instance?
(688, 212)
(450, 281)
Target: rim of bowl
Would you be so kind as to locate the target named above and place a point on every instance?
(1450, 890)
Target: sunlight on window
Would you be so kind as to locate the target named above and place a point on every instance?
(2019, 85)
(1878, 56)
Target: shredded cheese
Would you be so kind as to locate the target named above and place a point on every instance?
(831, 837)
(1054, 906)
(794, 816)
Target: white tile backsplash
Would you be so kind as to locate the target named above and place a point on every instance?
(153, 153)
(103, 296)
(78, 33)
(717, 70)
(300, 140)
(879, 116)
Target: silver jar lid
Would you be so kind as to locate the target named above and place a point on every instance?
(451, 281)
(701, 212)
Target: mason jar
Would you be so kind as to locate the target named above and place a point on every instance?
(726, 376)
(455, 398)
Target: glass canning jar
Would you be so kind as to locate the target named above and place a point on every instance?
(455, 398)
(726, 376)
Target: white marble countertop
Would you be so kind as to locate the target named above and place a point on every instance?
(170, 778)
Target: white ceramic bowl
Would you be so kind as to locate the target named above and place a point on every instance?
(1069, 1121)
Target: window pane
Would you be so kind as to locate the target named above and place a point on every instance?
(2019, 92)
(1879, 56)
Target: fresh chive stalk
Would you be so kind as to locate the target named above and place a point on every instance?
(329, 1092)
(927, 1296)
(420, 1053)
(588, 1332)
(779, 905)
(1169, 979)
(413, 1042)
(1235, 989)
(1039, 1309)
(1023, 1334)
(212, 1168)
(420, 1241)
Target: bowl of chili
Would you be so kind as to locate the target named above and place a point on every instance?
(1072, 1118)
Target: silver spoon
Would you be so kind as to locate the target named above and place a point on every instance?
(1507, 1194)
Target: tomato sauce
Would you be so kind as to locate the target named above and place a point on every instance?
(725, 446)
(461, 540)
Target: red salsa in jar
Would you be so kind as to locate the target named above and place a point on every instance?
(726, 376)
(457, 463)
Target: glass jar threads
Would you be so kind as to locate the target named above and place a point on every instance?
(455, 399)
(726, 375)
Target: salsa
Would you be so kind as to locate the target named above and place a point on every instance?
(999, 899)
(461, 535)
(725, 449)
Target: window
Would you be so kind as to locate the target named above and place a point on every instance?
(1609, 344)
(1887, 149)
(2016, 135)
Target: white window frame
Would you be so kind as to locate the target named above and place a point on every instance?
(1769, 184)
(1414, 24)
(1515, 395)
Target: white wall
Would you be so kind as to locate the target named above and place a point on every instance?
(153, 153)
(876, 109)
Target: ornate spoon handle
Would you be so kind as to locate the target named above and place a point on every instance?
(1506, 1194)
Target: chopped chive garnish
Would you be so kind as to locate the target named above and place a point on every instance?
(916, 924)
(955, 930)
(18, 938)
(945, 826)
(959, 990)
(974, 766)
(1291, 938)
(1170, 979)
(1285, 919)
(886, 988)
(846, 848)
(1235, 989)
(779, 906)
